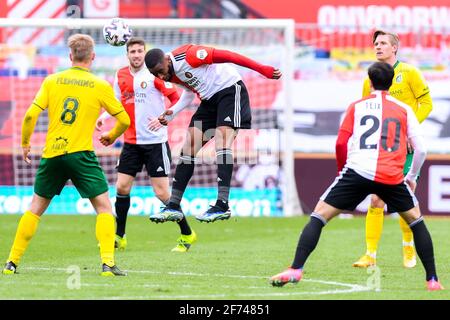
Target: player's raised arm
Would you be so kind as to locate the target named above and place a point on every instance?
(221, 56)
(224, 56)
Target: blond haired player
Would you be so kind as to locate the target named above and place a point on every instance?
(74, 98)
(409, 87)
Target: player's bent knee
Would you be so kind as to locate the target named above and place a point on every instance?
(101, 203)
(103, 208)
(224, 137)
(39, 204)
(376, 202)
(326, 211)
(123, 189)
(411, 215)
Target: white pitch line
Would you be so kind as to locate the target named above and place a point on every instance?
(355, 288)
(85, 284)
(350, 288)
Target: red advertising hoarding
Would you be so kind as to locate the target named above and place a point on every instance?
(332, 23)
(309, 11)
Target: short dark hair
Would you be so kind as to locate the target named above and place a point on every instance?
(153, 57)
(381, 75)
(135, 40)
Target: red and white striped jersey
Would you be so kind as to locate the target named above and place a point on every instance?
(194, 69)
(379, 127)
(142, 96)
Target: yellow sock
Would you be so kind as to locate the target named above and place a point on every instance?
(25, 231)
(105, 231)
(374, 227)
(406, 231)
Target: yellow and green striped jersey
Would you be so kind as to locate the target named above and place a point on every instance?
(408, 86)
(74, 98)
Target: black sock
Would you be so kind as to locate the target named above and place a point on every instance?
(122, 205)
(308, 240)
(183, 173)
(424, 247)
(183, 224)
(184, 227)
(224, 173)
(222, 204)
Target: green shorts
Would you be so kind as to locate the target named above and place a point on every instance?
(80, 167)
(408, 163)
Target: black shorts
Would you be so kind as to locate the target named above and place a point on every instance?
(156, 158)
(229, 107)
(350, 188)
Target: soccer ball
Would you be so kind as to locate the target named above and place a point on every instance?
(116, 32)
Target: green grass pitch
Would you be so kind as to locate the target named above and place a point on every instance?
(231, 260)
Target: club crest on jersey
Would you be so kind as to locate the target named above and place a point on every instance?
(143, 84)
(399, 78)
(202, 54)
(188, 75)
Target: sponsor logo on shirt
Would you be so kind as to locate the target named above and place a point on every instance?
(60, 144)
(396, 93)
(191, 81)
(202, 54)
(134, 97)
